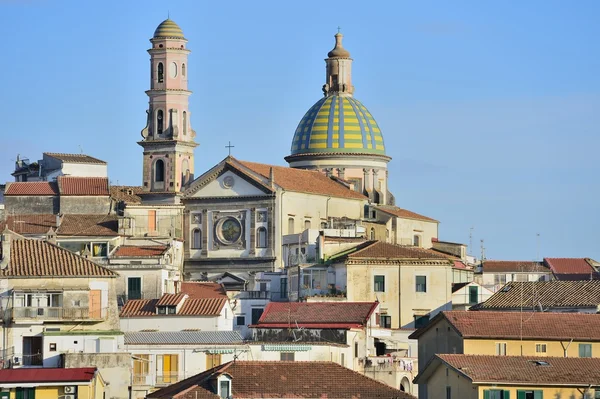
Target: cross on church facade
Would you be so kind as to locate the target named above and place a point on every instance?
(229, 147)
(339, 29)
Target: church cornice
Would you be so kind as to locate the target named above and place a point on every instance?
(155, 50)
(297, 157)
(157, 143)
(160, 91)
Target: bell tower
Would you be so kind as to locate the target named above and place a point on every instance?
(168, 138)
(338, 78)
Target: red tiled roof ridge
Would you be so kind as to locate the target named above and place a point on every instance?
(83, 186)
(404, 213)
(47, 374)
(384, 250)
(38, 188)
(140, 251)
(73, 158)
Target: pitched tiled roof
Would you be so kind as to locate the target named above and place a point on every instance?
(88, 186)
(89, 225)
(41, 188)
(25, 375)
(183, 337)
(317, 314)
(525, 370)
(513, 266)
(547, 294)
(29, 224)
(383, 250)
(524, 325)
(35, 258)
(404, 213)
(190, 307)
(127, 194)
(203, 289)
(305, 181)
(170, 299)
(135, 251)
(280, 379)
(570, 266)
(75, 158)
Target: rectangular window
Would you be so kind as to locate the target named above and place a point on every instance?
(530, 394)
(421, 321)
(596, 393)
(473, 294)
(134, 288)
(213, 360)
(540, 348)
(496, 394)
(379, 284)
(52, 347)
(290, 225)
(421, 283)
(499, 279)
(283, 288)
(448, 392)
(141, 369)
(256, 313)
(224, 389)
(151, 221)
(286, 356)
(500, 348)
(25, 393)
(240, 320)
(356, 349)
(173, 309)
(585, 350)
(385, 321)
(167, 367)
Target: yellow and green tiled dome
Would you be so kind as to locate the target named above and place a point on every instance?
(168, 28)
(338, 124)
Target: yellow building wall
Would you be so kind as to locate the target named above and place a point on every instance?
(95, 390)
(548, 392)
(47, 392)
(527, 347)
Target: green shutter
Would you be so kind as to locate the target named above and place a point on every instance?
(486, 394)
(520, 394)
(20, 393)
(538, 394)
(31, 393)
(506, 395)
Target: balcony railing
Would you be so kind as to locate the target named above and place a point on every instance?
(274, 296)
(57, 313)
(388, 363)
(157, 380)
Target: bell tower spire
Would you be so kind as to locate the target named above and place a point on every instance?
(168, 138)
(338, 78)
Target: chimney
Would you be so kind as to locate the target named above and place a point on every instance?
(272, 178)
(5, 255)
(59, 218)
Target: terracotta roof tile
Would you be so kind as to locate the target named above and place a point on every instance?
(526, 325)
(547, 294)
(139, 308)
(383, 250)
(513, 266)
(524, 370)
(89, 225)
(12, 376)
(75, 158)
(305, 181)
(35, 258)
(170, 299)
(190, 306)
(203, 289)
(127, 194)
(281, 379)
(404, 213)
(41, 188)
(570, 266)
(317, 314)
(29, 224)
(138, 251)
(87, 186)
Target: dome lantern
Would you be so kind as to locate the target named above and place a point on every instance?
(168, 29)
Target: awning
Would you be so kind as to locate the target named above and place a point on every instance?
(219, 351)
(286, 348)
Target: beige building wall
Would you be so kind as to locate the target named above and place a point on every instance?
(443, 377)
(407, 229)
(527, 347)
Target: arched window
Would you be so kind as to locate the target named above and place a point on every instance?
(182, 69)
(306, 224)
(417, 240)
(184, 123)
(261, 237)
(372, 233)
(159, 121)
(196, 239)
(159, 171)
(291, 226)
(161, 72)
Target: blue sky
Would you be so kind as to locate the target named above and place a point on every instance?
(490, 111)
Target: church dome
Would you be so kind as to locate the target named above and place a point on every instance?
(338, 124)
(168, 28)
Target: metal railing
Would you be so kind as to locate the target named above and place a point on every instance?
(266, 295)
(165, 378)
(57, 313)
(168, 378)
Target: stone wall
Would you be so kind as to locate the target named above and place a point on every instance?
(15, 205)
(97, 205)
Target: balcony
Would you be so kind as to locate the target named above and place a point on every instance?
(56, 314)
(157, 380)
(274, 296)
(388, 363)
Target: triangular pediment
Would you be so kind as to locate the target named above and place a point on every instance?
(226, 180)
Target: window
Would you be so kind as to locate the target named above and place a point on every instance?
(161, 73)
(421, 283)
(196, 218)
(291, 226)
(596, 393)
(240, 320)
(473, 294)
(283, 288)
(261, 237)
(161, 309)
(167, 367)
(141, 368)
(173, 309)
(385, 321)
(134, 288)
(496, 394)
(306, 224)
(261, 216)
(213, 360)
(530, 394)
(159, 171)
(421, 321)
(159, 121)
(52, 347)
(196, 239)
(417, 240)
(540, 348)
(184, 125)
(585, 350)
(448, 392)
(372, 233)
(343, 359)
(499, 279)
(379, 284)
(25, 393)
(224, 387)
(500, 348)
(182, 69)
(356, 349)
(256, 313)
(286, 356)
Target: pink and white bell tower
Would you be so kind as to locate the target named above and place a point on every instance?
(168, 138)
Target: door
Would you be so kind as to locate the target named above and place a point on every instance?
(32, 351)
(134, 288)
(95, 307)
(212, 360)
(167, 369)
